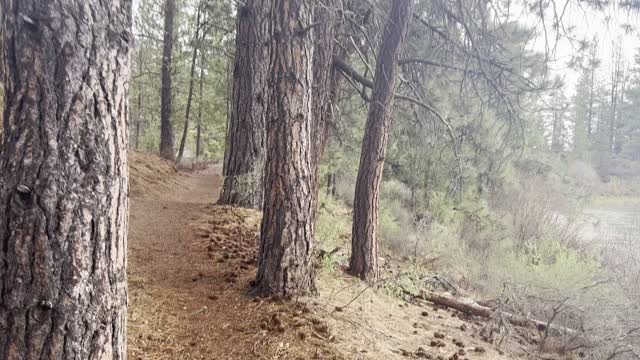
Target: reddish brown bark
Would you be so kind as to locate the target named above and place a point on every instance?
(245, 145)
(287, 233)
(364, 243)
(64, 179)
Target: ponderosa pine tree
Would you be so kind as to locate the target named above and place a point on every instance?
(364, 243)
(64, 179)
(287, 232)
(245, 144)
(583, 104)
(167, 150)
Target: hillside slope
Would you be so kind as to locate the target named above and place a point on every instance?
(191, 264)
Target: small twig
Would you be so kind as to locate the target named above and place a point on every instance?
(365, 289)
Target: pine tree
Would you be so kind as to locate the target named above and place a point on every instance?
(287, 231)
(364, 242)
(167, 150)
(64, 179)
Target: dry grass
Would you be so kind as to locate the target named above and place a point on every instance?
(191, 264)
(149, 175)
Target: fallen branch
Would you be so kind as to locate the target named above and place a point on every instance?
(470, 307)
(370, 285)
(323, 253)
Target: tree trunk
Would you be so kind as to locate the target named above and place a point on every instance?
(64, 179)
(166, 112)
(364, 252)
(245, 146)
(331, 184)
(287, 232)
(325, 84)
(192, 75)
(199, 127)
(139, 104)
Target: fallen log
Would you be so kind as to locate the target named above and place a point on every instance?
(470, 307)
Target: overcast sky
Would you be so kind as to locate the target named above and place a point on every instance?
(605, 25)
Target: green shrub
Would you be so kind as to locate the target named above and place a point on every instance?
(333, 227)
(395, 190)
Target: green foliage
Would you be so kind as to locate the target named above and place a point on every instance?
(411, 280)
(333, 227)
(548, 265)
(214, 63)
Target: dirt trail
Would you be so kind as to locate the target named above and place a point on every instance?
(160, 226)
(160, 266)
(190, 266)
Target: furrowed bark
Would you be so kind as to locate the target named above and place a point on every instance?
(287, 232)
(64, 179)
(245, 146)
(364, 243)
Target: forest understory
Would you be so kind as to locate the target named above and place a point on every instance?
(192, 263)
(320, 179)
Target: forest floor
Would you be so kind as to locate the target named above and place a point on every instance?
(191, 263)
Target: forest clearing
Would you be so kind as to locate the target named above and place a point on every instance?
(320, 179)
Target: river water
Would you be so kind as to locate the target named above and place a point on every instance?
(613, 227)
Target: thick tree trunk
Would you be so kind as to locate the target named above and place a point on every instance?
(364, 252)
(192, 75)
(287, 231)
(245, 146)
(166, 112)
(64, 179)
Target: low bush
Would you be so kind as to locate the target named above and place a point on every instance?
(333, 227)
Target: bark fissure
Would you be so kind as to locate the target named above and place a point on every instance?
(245, 148)
(63, 174)
(287, 231)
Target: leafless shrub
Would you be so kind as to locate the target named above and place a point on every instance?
(586, 180)
(536, 215)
